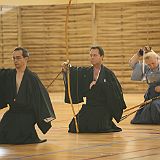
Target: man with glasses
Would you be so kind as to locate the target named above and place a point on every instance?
(28, 102)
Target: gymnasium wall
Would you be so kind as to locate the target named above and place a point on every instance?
(121, 28)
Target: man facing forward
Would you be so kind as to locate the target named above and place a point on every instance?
(104, 97)
(28, 100)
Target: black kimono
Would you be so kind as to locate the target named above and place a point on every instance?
(104, 101)
(30, 106)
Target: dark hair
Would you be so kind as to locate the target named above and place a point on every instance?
(25, 52)
(101, 51)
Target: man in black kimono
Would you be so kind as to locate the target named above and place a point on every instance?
(28, 101)
(104, 97)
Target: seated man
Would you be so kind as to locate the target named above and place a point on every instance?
(104, 97)
(28, 100)
(150, 71)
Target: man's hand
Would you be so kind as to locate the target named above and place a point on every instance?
(65, 66)
(157, 89)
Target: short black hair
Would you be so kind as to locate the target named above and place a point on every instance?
(25, 52)
(101, 51)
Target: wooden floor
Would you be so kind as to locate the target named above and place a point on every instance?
(135, 142)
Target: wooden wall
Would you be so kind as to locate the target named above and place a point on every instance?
(8, 34)
(120, 28)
